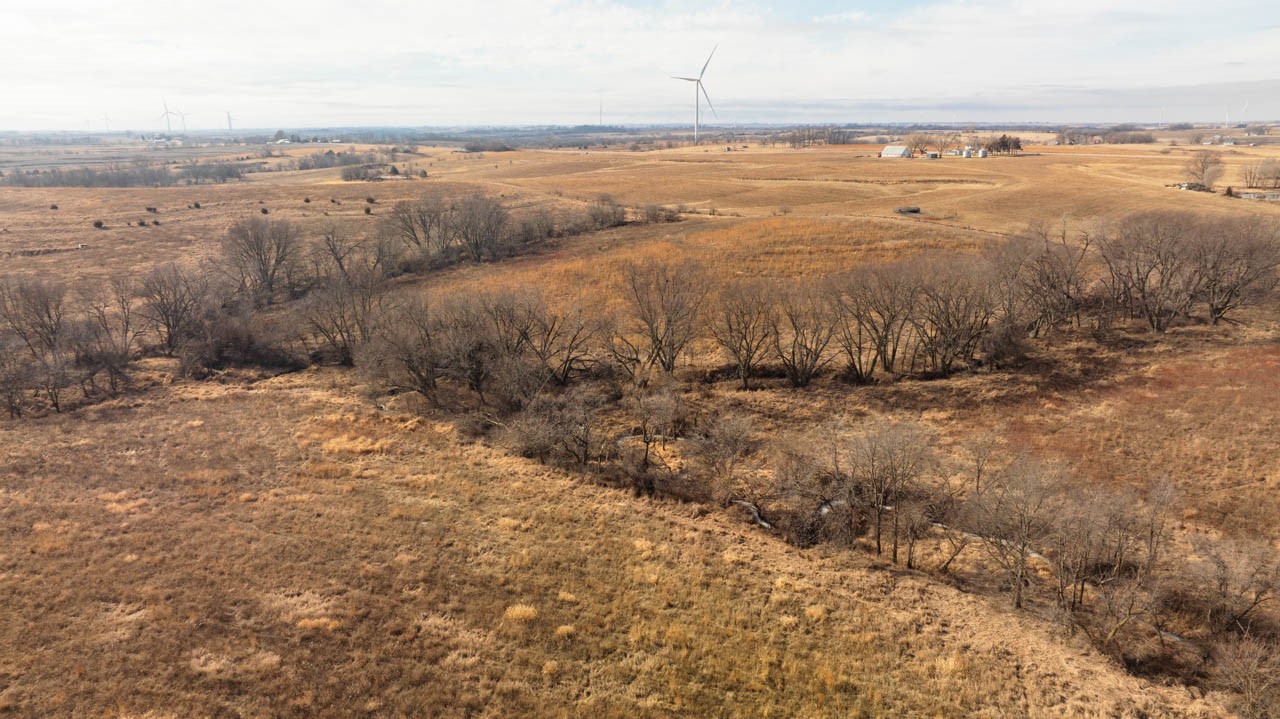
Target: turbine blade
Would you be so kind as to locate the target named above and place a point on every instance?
(704, 94)
(708, 62)
(686, 79)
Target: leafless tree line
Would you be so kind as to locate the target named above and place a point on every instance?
(929, 316)
(437, 230)
(1107, 560)
(1264, 174)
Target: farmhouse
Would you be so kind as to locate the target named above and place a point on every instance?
(895, 151)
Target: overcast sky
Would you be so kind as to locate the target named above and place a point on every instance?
(67, 64)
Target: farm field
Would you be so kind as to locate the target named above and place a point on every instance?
(258, 542)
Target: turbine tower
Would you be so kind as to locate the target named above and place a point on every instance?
(183, 115)
(229, 121)
(699, 92)
(106, 120)
(166, 115)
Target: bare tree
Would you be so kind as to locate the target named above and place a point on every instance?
(1270, 173)
(35, 311)
(172, 301)
(742, 324)
(1013, 515)
(263, 256)
(1051, 275)
(886, 297)
(722, 445)
(666, 302)
(17, 375)
(953, 311)
(480, 224)
(341, 309)
(801, 332)
(404, 354)
(918, 141)
(1235, 262)
(1150, 266)
(605, 212)
(1253, 175)
(425, 226)
(1239, 576)
(560, 340)
(1204, 167)
(886, 463)
(107, 332)
(851, 321)
(657, 414)
(1249, 667)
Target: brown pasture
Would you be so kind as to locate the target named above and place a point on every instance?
(280, 548)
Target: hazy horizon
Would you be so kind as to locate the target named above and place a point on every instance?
(577, 62)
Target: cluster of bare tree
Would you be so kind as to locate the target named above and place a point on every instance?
(140, 174)
(1107, 558)
(436, 230)
(196, 172)
(938, 141)
(52, 339)
(1263, 174)
(1158, 266)
(275, 298)
(925, 316)
(1204, 167)
(813, 137)
(505, 347)
(330, 158)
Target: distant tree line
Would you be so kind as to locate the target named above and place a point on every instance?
(245, 306)
(139, 174)
(813, 137)
(329, 158)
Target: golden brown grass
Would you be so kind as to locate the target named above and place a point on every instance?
(282, 549)
(502, 588)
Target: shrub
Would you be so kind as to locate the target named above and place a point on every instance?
(196, 205)
(265, 211)
(606, 212)
(53, 207)
(658, 213)
(98, 224)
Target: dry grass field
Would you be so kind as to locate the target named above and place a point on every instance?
(261, 546)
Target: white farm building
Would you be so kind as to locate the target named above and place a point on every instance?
(896, 151)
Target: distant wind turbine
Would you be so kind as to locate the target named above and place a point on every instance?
(166, 115)
(228, 121)
(106, 120)
(699, 92)
(183, 115)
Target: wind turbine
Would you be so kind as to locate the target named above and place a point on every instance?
(183, 115)
(106, 120)
(228, 121)
(700, 92)
(166, 115)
